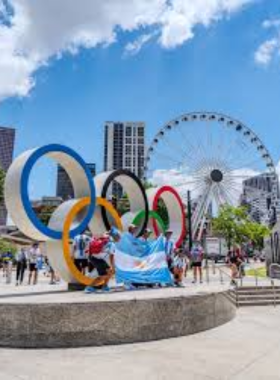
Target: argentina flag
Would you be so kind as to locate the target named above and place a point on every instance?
(141, 262)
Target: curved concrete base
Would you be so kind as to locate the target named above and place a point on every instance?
(77, 320)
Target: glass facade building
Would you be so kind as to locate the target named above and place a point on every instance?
(124, 148)
(7, 142)
(64, 188)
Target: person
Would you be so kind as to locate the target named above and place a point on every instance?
(196, 256)
(146, 235)
(34, 257)
(179, 264)
(240, 262)
(101, 256)
(232, 260)
(132, 229)
(49, 271)
(169, 248)
(8, 266)
(79, 251)
(21, 260)
(185, 249)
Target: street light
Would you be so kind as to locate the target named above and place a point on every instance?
(190, 221)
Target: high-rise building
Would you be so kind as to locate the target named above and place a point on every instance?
(7, 142)
(261, 196)
(124, 149)
(64, 188)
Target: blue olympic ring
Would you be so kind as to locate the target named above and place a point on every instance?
(36, 155)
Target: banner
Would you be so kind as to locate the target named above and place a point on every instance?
(141, 262)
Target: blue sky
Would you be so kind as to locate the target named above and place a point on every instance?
(216, 70)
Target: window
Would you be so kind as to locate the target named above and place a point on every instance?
(141, 132)
(129, 131)
(128, 149)
(141, 150)
(128, 161)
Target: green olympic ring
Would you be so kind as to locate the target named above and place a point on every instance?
(152, 215)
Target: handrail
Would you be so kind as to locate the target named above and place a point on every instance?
(232, 281)
(223, 272)
(272, 280)
(256, 273)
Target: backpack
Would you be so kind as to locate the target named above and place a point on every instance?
(96, 246)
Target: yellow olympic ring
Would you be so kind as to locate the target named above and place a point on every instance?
(82, 279)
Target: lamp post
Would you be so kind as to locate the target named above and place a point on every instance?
(190, 221)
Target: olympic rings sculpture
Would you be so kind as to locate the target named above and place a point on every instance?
(89, 208)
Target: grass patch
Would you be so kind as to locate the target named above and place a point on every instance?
(261, 272)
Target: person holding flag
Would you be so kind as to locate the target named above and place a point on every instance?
(169, 248)
(101, 253)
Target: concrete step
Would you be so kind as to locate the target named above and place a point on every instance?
(258, 303)
(258, 297)
(259, 292)
(252, 296)
(257, 288)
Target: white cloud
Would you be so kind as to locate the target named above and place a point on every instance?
(266, 51)
(271, 47)
(133, 48)
(38, 30)
(273, 23)
(181, 17)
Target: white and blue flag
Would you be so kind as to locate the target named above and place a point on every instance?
(141, 262)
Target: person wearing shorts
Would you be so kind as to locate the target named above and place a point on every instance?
(233, 261)
(103, 263)
(80, 247)
(34, 255)
(179, 264)
(197, 259)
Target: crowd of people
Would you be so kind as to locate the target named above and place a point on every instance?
(96, 257)
(27, 262)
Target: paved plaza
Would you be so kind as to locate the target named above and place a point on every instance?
(247, 348)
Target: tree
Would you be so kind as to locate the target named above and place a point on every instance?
(234, 224)
(163, 213)
(256, 234)
(148, 185)
(44, 213)
(230, 224)
(7, 247)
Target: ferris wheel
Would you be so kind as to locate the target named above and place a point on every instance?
(211, 155)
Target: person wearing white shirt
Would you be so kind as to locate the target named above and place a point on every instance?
(169, 248)
(34, 255)
(80, 248)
